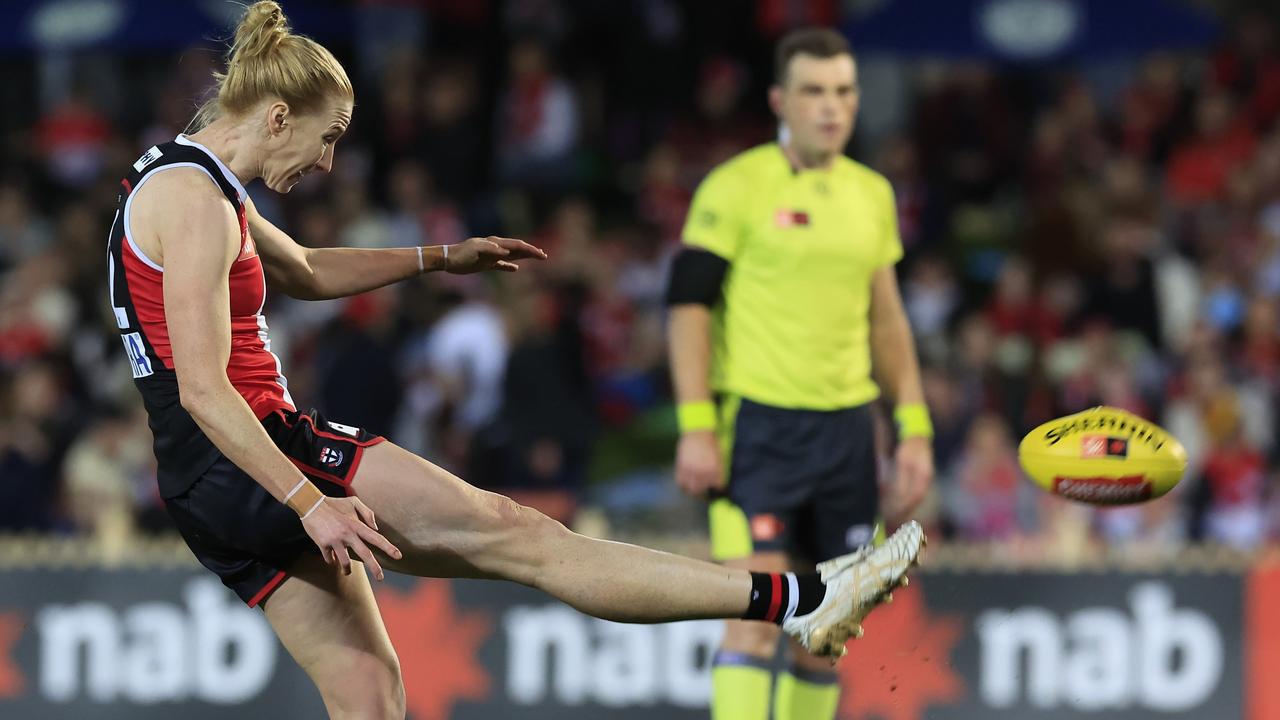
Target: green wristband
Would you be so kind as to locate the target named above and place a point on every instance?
(695, 416)
(913, 420)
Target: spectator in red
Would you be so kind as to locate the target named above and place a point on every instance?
(987, 480)
(1259, 354)
(1015, 310)
(1233, 481)
(72, 138)
(537, 120)
(1250, 67)
(1200, 165)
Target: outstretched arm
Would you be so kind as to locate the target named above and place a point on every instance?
(324, 273)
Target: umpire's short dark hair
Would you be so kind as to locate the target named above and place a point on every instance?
(818, 42)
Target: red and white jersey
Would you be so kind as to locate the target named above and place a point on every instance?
(136, 285)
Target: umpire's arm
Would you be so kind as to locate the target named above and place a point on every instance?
(897, 370)
(693, 289)
(893, 351)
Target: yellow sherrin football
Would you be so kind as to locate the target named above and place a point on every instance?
(1103, 456)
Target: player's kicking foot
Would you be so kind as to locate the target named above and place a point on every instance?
(856, 584)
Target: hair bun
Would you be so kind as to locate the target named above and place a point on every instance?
(267, 61)
(261, 30)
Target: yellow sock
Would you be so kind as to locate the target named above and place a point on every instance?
(806, 695)
(740, 686)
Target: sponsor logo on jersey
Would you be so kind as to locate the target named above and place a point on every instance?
(785, 218)
(139, 363)
(147, 158)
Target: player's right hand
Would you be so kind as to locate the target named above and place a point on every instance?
(699, 469)
(489, 253)
(341, 526)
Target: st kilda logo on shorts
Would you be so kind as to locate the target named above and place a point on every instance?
(331, 457)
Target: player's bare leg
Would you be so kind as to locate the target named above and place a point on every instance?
(447, 528)
(331, 626)
(758, 640)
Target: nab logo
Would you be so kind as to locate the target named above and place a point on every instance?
(1157, 657)
(213, 649)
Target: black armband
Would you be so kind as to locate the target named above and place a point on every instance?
(696, 276)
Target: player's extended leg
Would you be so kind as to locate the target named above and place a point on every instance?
(447, 528)
(331, 626)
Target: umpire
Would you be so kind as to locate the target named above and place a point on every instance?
(783, 302)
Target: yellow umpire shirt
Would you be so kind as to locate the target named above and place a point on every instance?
(792, 326)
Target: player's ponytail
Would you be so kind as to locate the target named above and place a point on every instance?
(266, 60)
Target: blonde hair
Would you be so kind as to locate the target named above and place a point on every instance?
(266, 60)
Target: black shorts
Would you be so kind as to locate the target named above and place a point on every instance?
(800, 481)
(243, 534)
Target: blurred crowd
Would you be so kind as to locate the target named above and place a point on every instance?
(1075, 236)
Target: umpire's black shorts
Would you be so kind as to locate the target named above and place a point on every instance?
(243, 534)
(800, 481)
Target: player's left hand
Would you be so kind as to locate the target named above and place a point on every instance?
(914, 469)
(475, 255)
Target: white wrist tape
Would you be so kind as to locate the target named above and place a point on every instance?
(294, 491)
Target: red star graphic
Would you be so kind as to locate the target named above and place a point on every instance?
(903, 665)
(438, 648)
(11, 680)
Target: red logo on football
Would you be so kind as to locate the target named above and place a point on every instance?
(1100, 446)
(765, 527)
(1092, 446)
(1104, 490)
